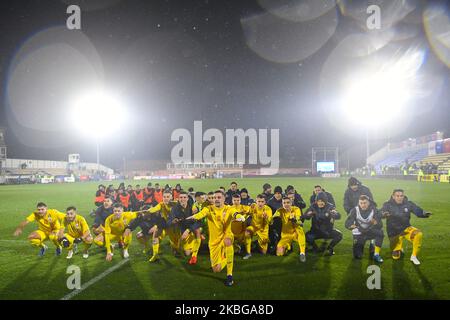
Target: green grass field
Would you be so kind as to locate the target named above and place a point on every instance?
(26, 276)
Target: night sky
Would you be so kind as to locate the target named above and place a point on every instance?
(231, 64)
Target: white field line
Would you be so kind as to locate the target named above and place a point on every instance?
(94, 280)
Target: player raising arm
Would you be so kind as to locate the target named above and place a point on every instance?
(48, 228)
(220, 235)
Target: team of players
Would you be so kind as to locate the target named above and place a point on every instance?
(228, 221)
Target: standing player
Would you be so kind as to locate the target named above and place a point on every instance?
(137, 198)
(245, 198)
(323, 215)
(296, 197)
(267, 191)
(158, 194)
(148, 194)
(74, 229)
(124, 198)
(229, 194)
(220, 235)
(176, 191)
(397, 212)
(365, 223)
(48, 228)
(100, 196)
(291, 229)
(354, 191)
(261, 218)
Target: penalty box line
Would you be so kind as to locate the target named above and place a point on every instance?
(94, 280)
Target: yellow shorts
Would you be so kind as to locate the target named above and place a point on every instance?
(188, 243)
(407, 234)
(261, 235)
(174, 236)
(239, 238)
(287, 239)
(72, 238)
(217, 252)
(44, 235)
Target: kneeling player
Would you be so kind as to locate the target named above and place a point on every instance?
(397, 212)
(161, 228)
(242, 221)
(48, 228)
(115, 226)
(261, 216)
(323, 215)
(291, 228)
(149, 227)
(220, 235)
(190, 230)
(365, 223)
(74, 229)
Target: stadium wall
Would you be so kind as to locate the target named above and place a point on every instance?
(14, 164)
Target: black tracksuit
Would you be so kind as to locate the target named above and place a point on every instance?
(322, 225)
(298, 201)
(145, 222)
(100, 216)
(275, 227)
(367, 230)
(351, 198)
(330, 198)
(229, 196)
(182, 213)
(247, 201)
(400, 215)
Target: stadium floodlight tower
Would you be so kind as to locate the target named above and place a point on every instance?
(98, 113)
(380, 92)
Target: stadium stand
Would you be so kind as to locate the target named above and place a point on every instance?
(437, 159)
(400, 157)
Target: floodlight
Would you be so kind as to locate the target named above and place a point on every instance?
(98, 113)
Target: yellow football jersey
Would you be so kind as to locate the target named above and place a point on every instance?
(258, 220)
(219, 222)
(163, 208)
(77, 228)
(49, 222)
(287, 225)
(242, 209)
(116, 226)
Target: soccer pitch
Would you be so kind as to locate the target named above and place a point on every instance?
(26, 276)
